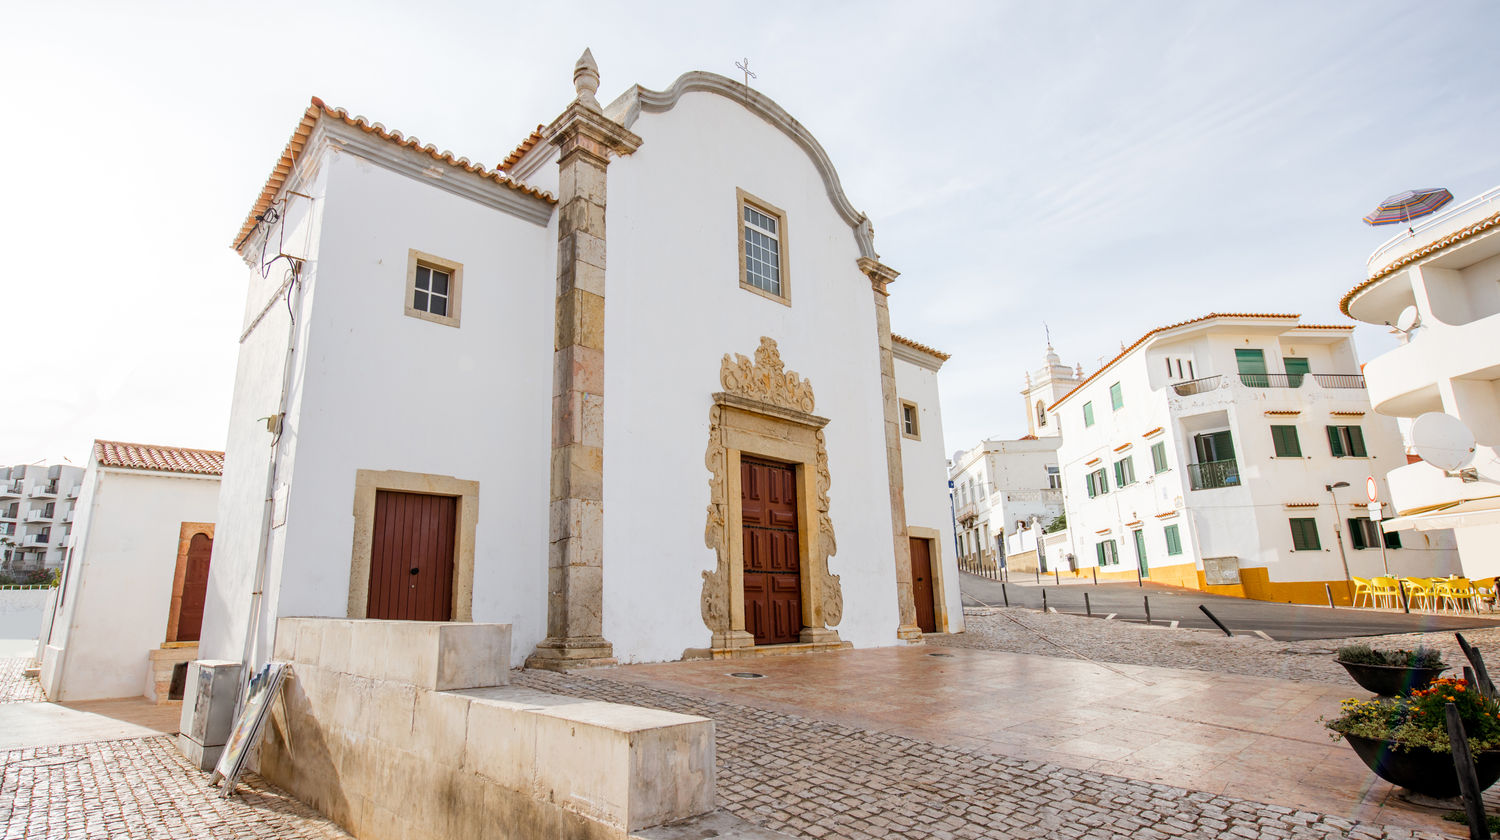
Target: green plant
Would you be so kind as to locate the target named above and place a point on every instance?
(1461, 817)
(1420, 721)
(1422, 657)
(1058, 523)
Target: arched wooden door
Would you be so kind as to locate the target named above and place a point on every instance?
(194, 588)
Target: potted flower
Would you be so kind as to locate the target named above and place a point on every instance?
(1404, 740)
(1391, 672)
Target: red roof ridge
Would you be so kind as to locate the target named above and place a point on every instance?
(316, 109)
(917, 345)
(521, 149)
(1142, 340)
(150, 456)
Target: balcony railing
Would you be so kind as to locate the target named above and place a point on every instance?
(37, 516)
(967, 511)
(1272, 380)
(44, 490)
(1196, 386)
(37, 540)
(12, 489)
(73, 492)
(1210, 475)
(1406, 239)
(1340, 380)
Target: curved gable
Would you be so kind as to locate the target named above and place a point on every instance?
(628, 107)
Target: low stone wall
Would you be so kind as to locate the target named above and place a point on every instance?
(408, 730)
(21, 612)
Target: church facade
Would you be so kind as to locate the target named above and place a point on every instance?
(633, 392)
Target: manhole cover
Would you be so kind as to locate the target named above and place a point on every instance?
(746, 675)
(944, 655)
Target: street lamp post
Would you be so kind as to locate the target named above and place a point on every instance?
(1338, 533)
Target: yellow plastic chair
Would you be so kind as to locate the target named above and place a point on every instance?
(1419, 593)
(1385, 591)
(1362, 589)
(1462, 594)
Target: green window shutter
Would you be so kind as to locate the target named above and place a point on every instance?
(1285, 440)
(1358, 539)
(1116, 396)
(1305, 535)
(1129, 463)
(1159, 457)
(1089, 480)
(1250, 361)
(1393, 540)
(1174, 541)
(1356, 441)
(1099, 554)
(1295, 365)
(1088, 414)
(1335, 442)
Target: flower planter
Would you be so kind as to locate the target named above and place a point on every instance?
(1421, 770)
(1391, 680)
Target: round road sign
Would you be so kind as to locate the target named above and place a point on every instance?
(1370, 489)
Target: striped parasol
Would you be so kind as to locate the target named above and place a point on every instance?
(1401, 208)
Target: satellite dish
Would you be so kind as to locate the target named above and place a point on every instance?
(1408, 320)
(1442, 441)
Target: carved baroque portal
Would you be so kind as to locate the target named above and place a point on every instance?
(766, 410)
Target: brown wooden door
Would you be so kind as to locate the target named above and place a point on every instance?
(921, 584)
(773, 567)
(194, 588)
(411, 557)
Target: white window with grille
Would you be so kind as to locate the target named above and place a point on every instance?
(763, 264)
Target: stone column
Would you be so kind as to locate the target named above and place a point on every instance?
(575, 562)
(880, 277)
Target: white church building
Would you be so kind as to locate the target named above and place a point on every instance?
(449, 405)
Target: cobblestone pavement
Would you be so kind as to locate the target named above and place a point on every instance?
(817, 779)
(15, 686)
(1078, 637)
(140, 789)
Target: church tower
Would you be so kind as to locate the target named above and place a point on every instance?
(1045, 386)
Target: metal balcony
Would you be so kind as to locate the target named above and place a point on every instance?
(1211, 475)
(12, 489)
(44, 491)
(37, 540)
(37, 516)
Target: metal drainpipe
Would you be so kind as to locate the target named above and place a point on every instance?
(262, 558)
(953, 517)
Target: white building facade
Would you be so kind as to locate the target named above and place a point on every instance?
(132, 599)
(455, 345)
(37, 504)
(1440, 282)
(1203, 456)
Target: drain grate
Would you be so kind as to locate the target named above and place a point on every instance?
(747, 675)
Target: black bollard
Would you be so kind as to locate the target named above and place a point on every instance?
(1005, 594)
(1215, 620)
(1044, 600)
(1088, 610)
(1057, 577)
(1329, 590)
(1405, 604)
(1096, 575)
(1147, 599)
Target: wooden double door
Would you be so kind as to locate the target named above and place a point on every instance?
(411, 557)
(773, 564)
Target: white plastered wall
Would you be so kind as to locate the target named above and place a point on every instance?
(673, 308)
(119, 589)
(924, 468)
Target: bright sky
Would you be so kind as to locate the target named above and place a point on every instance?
(1103, 167)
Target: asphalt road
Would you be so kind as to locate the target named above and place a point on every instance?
(1283, 622)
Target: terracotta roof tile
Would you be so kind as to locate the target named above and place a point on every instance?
(1422, 253)
(145, 456)
(316, 110)
(1142, 340)
(520, 151)
(917, 345)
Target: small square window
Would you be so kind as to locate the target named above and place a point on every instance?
(910, 421)
(1116, 397)
(434, 288)
(763, 248)
(1284, 439)
(1346, 442)
(1305, 535)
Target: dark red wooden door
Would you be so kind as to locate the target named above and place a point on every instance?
(773, 568)
(194, 588)
(411, 557)
(921, 584)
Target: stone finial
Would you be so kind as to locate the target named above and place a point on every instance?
(586, 79)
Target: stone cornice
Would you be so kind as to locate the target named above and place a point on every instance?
(628, 107)
(420, 167)
(880, 275)
(907, 353)
(581, 127)
(790, 415)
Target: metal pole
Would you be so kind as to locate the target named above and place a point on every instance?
(1005, 594)
(1380, 535)
(1215, 620)
(1087, 610)
(1044, 600)
(1338, 533)
(1057, 577)
(1096, 575)
(1038, 571)
(1147, 599)
(1405, 604)
(1329, 590)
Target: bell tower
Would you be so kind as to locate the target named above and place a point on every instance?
(1045, 386)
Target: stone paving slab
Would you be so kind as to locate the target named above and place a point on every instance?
(15, 686)
(140, 789)
(810, 777)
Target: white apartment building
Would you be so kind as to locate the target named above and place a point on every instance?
(1208, 455)
(1439, 282)
(36, 515)
(1001, 488)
